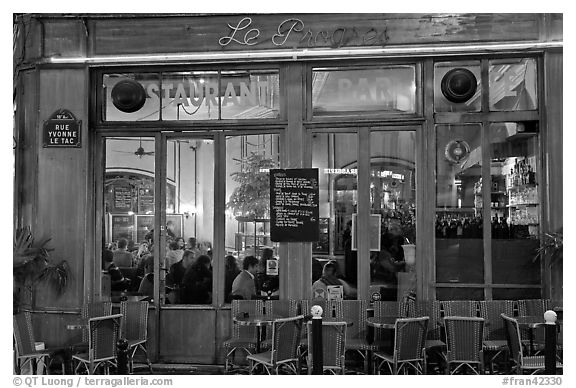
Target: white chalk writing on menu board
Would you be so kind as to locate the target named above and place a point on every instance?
(294, 205)
(122, 197)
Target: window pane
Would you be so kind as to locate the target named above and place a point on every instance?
(336, 157)
(390, 89)
(190, 95)
(189, 221)
(513, 84)
(459, 244)
(441, 103)
(250, 94)
(515, 204)
(131, 97)
(248, 161)
(459, 293)
(393, 197)
(128, 198)
(516, 293)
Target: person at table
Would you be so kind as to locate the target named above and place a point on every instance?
(118, 282)
(197, 282)
(176, 274)
(329, 278)
(243, 286)
(230, 272)
(174, 254)
(146, 287)
(191, 244)
(122, 257)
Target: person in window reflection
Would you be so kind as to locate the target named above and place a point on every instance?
(118, 282)
(243, 286)
(330, 278)
(197, 282)
(122, 257)
(385, 264)
(231, 271)
(146, 287)
(176, 274)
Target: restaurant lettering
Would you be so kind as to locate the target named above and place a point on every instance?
(294, 32)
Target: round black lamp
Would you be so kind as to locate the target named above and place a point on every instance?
(128, 96)
(458, 85)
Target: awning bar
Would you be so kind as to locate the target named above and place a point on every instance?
(308, 54)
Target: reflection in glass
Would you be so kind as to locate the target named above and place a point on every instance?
(513, 84)
(249, 159)
(441, 103)
(459, 225)
(336, 157)
(393, 196)
(515, 204)
(190, 95)
(151, 108)
(250, 94)
(190, 170)
(389, 89)
(128, 206)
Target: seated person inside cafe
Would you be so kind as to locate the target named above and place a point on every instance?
(197, 282)
(231, 271)
(329, 278)
(122, 257)
(118, 282)
(384, 265)
(147, 283)
(174, 254)
(265, 283)
(244, 286)
(176, 275)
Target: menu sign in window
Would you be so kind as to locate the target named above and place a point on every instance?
(122, 227)
(122, 198)
(294, 212)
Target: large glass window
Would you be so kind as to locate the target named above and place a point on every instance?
(249, 159)
(393, 199)
(459, 222)
(128, 215)
(191, 95)
(336, 157)
(390, 89)
(515, 204)
(187, 257)
(513, 84)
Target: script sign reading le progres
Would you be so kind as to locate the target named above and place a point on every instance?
(294, 205)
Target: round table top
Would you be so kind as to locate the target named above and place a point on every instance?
(381, 322)
(333, 320)
(255, 320)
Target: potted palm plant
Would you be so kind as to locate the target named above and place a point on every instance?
(33, 266)
(552, 248)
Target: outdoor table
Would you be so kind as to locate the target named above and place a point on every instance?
(259, 321)
(531, 323)
(381, 322)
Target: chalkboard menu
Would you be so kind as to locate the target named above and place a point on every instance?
(145, 200)
(122, 198)
(122, 227)
(294, 213)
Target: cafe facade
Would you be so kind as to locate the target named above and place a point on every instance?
(441, 131)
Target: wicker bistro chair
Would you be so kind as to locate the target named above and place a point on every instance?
(328, 309)
(134, 329)
(521, 363)
(243, 337)
(409, 347)
(103, 333)
(284, 347)
(93, 310)
(355, 311)
(533, 307)
(333, 346)
(26, 345)
(389, 309)
(464, 336)
(460, 308)
(279, 308)
(495, 342)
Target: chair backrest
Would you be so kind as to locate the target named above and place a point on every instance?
(252, 307)
(286, 338)
(24, 334)
(103, 334)
(93, 310)
(513, 337)
(134, 320)
(354, 311)
(410, 338)
(533, 307)
(333, 344)
(464, 336)
(417, 308)
(389, 309)
(460, 308)
(490, 310)
(282, 308)
(434, 329)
